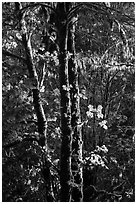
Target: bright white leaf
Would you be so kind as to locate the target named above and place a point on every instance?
(105, 127)
(100, 115)
(42, 89)
(99, 108)
(103, 124)
(90, 107)
(89, 114)
(104, 149)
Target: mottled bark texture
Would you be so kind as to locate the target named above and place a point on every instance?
(71, 150)
(34, 86)
(34, 83)
(66, 130)
(76, 166)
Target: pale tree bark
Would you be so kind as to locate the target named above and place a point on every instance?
(34, 82)
(76, 166)
(71, 150)
(35, 87)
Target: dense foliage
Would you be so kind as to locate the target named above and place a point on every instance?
(104, 56)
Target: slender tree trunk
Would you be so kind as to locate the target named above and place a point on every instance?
(66, 131)
(94, 138)
(34, 82)
(41, 119)
(105, 105)
(77, 177)
(71, 172)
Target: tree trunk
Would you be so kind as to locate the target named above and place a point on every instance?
(41, 119)
(71, 173)
(34, 83)
(66, 131)
(77, 177)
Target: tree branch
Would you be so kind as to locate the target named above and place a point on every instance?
(91, 193)
(15, 143)
(38, 4)
(43, 76)
(7, 53)
(74, 10)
